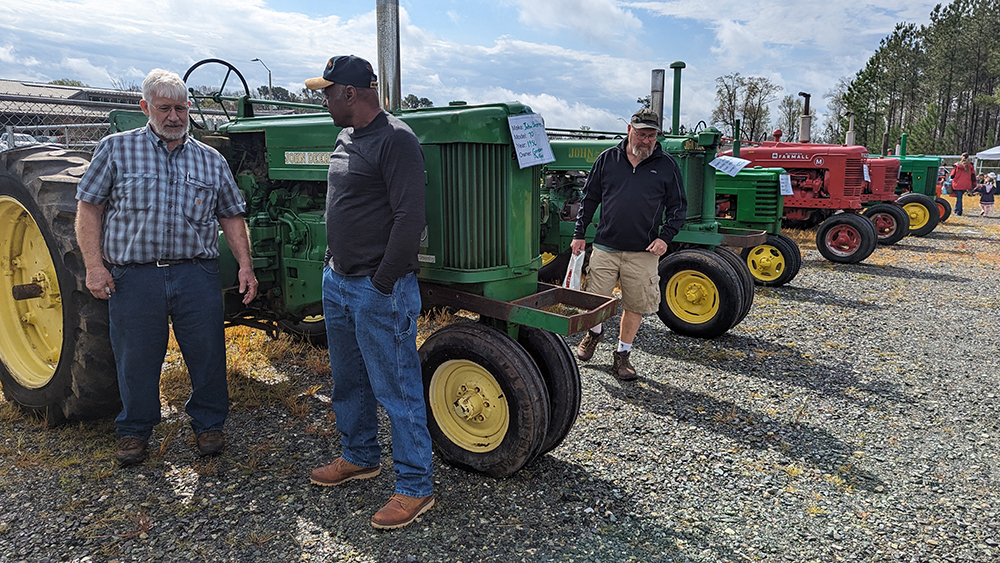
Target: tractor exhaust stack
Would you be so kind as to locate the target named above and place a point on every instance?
(676, 123)
(656, 94)
(805, 122)
(387, 22)
(849, 140)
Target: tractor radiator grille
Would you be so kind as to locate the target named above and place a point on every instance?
(766, 201)
(890, 181)
(474, 195)
(854, 177)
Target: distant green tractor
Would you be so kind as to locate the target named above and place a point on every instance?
(918, 175)
(752, 200)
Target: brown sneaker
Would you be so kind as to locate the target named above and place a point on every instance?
(400, 511)
(585, 350)
(131, 450)
(341, 471)
(210, 442)
(622, 369)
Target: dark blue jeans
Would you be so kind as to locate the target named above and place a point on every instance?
(373, 356)
(958, 201)
(146, 297)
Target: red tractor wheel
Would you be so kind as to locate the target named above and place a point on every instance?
(846, 238)
(891, 222)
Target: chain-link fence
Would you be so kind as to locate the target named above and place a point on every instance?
(73, 123)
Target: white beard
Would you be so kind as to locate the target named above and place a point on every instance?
(642, 153)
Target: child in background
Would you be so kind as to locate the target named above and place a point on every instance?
(987, 191)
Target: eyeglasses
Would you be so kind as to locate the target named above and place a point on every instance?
(166, 109)
(644, 136)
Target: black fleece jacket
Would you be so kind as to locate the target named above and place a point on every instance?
(638, 204)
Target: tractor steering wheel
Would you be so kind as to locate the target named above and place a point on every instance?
(216, 95)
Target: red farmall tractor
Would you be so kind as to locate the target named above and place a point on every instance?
(827, 182)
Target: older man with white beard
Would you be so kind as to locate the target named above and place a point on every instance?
(148, 217)
(641, 194)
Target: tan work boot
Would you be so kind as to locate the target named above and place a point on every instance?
(585, 350)
(622, 369)
(400, 511)
(341, 471)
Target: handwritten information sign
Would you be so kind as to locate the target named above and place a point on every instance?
(530, 141)
(785, 181)
(729, 164)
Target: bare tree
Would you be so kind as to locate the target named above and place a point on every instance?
(727, 97)
(125, 85)
(746, 99)
(789, 111)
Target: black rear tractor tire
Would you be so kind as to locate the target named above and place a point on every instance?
(892, 223)
(557, 364)
(741, 269)
(310, 329)
(944, 209)
(55, 349)
(774, 263)
(701, 295)
(923, 211)
(487, 404)
(846, 238)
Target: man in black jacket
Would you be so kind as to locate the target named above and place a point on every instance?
(641, 194)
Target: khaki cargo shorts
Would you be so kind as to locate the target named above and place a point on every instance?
(635, 270)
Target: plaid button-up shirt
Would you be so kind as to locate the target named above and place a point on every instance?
(160, 205)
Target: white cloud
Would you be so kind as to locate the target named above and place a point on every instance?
(81, 69)
(598, 22)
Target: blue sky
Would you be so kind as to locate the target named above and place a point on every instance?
(576, 62)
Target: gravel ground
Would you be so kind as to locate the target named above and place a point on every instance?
(851, 416)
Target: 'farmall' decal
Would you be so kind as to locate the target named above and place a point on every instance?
(789, 156)
(307, 157)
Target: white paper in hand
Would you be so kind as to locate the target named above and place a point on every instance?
(574, 271)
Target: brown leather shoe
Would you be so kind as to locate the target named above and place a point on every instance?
(622, 369)
(400, 511)
(210, 442)
(341, 471)
(131, 450)
(585, 350)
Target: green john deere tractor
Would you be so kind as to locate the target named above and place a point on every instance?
(499, 392)
(918, 175)
(705, 288)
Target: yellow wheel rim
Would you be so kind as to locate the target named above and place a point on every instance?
(692, 296)
(31, 330)
(919, 216)
(766, 262)
(469, 406)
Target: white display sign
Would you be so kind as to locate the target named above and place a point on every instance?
(786, 184)
(729, 164)
(530, 140)
(868, 177)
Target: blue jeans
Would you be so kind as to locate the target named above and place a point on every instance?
(373, 356)
(958, 201)
(145, 297)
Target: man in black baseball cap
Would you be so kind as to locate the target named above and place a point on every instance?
(640, 191)
(374, 217)
(346, 70)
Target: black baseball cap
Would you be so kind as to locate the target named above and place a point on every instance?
(645, 118)
(348, 70)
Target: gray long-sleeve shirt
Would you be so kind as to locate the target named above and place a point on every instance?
(375, 202)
